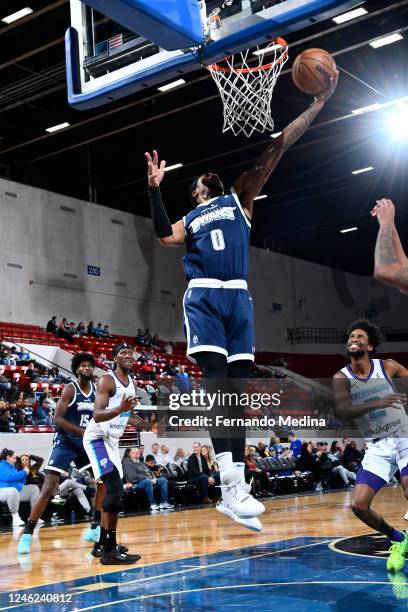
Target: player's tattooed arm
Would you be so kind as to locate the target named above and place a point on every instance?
(390, 262)
(250, 183)
(62, 406)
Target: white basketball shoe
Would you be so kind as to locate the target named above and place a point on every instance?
(237, 502)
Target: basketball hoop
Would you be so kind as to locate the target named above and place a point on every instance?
(246, 91)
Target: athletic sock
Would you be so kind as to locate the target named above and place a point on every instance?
(102, 536)
(110, 540)
(227, 468)
(30, 526)
(97, 516)
(397, 536)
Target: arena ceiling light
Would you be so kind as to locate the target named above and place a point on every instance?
(361, 170)
(397, 123)
(173, 167)
(350, 15)
(348, 229)
(276, 134)
(55, 128)
(366, 109)
(385, 40)
(18, 15)
(261, 197)
(171, 85)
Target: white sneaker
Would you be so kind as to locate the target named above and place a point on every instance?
(17, 520)
(40, 521)
(254, 524)
(166, 506)
(236, 497)
(406, 516)
(154, 507)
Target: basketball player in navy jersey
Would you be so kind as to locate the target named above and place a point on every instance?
(73, 412)
(366, 395)
(218, 310)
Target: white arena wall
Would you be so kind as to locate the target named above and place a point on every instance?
(49, 240)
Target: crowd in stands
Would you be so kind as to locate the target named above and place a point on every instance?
(70, 331)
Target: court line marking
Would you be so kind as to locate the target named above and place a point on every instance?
(235, 586)
(185, 571)
(131, 567)
(332, 546)
(194, 569)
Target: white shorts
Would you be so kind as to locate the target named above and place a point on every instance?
(385, 457)
(103, 455)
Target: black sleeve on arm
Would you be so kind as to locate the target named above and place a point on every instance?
(161, 223)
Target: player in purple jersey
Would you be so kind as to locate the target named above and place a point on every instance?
(218, 312)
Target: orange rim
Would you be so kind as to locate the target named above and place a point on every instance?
(277, 41)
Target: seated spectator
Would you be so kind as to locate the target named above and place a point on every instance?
(275, 445)
(199, 472)
(106, 333)
(17, 414)
(286, 452)
(180, 456)
(98, 331)
(352, 457)
(308, 461)
(81, 329)
(295, 444)
(261, 480)
(52, 326)
(43, 415)
(14, 355)
(147, 336)
(141, 452)
(262, 450)
(346, 475)
(155, 342)
(168, 348)
(72, 329)
(155, 451)
(34, 374)
(5, 383)
(23, 356)
(126, 455)
(6, 423)
(5, 356)
(33, 463)
(28, 411)
(90, 330)
(72, 486)
(64, 331)
(55, 377)
(139, 475)
(163, 457)
(169, 368)
(13, 489)
(208, 454)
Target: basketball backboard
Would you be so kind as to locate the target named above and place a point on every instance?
(117, 47)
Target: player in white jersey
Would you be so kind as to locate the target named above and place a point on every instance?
(114, 404)
(366, 395)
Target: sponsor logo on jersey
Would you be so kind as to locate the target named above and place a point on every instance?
(226, 213)
(87, 405)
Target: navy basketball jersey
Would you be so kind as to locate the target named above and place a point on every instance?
(217, 240)
(80, 410)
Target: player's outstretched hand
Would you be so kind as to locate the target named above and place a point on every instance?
(391, 400)
(384, 210)
(128, 403)
(327, 93)
(155, 172)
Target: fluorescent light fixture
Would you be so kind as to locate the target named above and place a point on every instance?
(173, 167)
(361, 170)
(366, 109)
(18, 15)
(267, 50)
(276, 134)
(261, 197)
(385, 40)
(55, 128)
(171, 85)
(348, 229)
(350, 15)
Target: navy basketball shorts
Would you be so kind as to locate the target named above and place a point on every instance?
(64, 452)
(219, 320)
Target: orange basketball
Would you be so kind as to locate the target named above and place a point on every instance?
(312, 70)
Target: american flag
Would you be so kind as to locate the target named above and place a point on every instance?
(107, 45)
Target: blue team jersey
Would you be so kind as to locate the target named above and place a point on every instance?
(217, 240)
(80, 410)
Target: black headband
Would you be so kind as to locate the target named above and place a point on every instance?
(120, 347)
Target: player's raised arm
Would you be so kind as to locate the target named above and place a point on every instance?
(390, 261)
(250, 183)
(105, 390)
(60, 421)
(168, 234)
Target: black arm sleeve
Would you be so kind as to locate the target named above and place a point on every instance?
(161, 223)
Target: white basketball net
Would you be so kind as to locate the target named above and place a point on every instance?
(246, 88)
